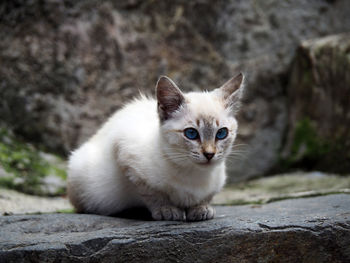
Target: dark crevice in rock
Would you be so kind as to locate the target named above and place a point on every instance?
(88, 247)
(291, 227)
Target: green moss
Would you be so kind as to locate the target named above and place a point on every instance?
(24, 164)
(243, 202)
(61, 211)
(307, 148)
(7, 182)
(259, 202)
(306, 138)
(310, 151)
(307, 77)
(66, 211)
(60, 191)
(308, 195)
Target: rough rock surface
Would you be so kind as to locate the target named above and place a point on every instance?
(280, 187)
(300, 230)
(255, 191)
(67, 65)
(13, 202)
(319, 99)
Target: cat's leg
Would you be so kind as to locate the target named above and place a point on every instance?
(156, 202)
(201, 212)
(168, 213)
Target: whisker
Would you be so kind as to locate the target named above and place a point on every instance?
(239, 145)
(237, 153)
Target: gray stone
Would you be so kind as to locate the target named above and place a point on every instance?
(280, 187)
(319, 95)
(13, 202)
(26, 168)
(300, 230)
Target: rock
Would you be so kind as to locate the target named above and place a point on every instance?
(255, 191)
(26, 168)
(260, 38)
(301, 230)
(3, 173)
(86, 58)
(319, 92)
(13, 202)
(283, 186)
(54, 183)
(68, 69)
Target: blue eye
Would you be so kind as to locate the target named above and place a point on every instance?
(222, 134)
(191, 133)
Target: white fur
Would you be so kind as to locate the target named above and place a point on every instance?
(133, 137)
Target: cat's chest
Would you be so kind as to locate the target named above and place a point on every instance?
(184, 198)
(185, 188)
(190, 195)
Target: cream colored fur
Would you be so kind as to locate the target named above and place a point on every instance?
(136, 159)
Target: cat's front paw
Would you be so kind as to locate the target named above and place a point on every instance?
(199, 213)
(168, 213)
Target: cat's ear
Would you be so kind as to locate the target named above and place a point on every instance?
(169, 97)
(231, 92)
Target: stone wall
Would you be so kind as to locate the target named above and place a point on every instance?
(319, 105)
(67, 65)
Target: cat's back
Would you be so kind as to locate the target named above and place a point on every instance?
(92, 167)
(93, 182)
(135, 122)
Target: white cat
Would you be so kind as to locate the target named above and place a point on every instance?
(166, 154)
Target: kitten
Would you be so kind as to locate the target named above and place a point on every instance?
(166, 154)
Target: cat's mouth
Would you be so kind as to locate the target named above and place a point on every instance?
(206, 163)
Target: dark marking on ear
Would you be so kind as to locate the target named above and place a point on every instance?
(231, 92)
(169, 97)
(231, 86)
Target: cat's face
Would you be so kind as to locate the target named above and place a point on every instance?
(199, 127)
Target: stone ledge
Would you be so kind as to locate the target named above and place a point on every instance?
(300, 230)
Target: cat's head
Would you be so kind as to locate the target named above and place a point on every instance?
(198, 127)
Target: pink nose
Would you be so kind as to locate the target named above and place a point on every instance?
(209, 156)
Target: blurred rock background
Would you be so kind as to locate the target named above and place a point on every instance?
(65, 66)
